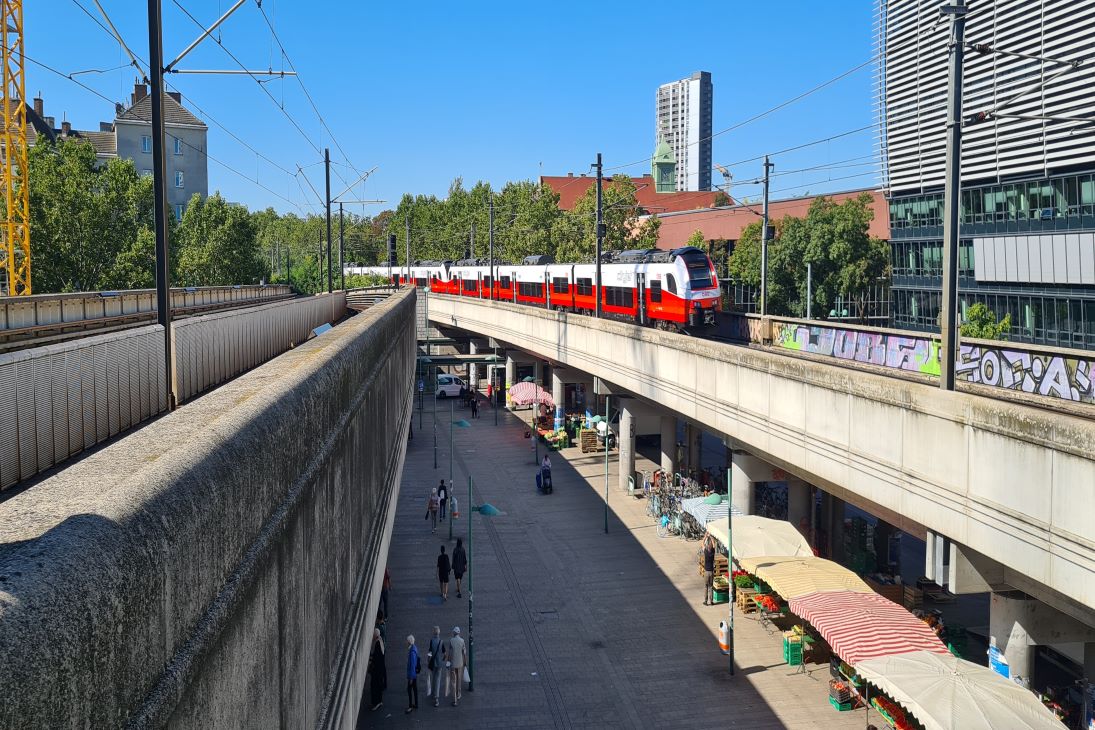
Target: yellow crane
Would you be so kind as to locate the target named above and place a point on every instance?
(15, 232)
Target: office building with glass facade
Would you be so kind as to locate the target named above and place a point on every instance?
(1027, 208)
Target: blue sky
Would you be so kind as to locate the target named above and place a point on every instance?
(486, 90)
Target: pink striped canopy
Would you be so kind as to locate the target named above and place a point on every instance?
(861, 626)
(523, 394)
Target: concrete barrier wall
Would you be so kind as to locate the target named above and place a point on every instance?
(57, 400)
(221, 566)
(1011, 481)
(1033, 370)
(213, 348)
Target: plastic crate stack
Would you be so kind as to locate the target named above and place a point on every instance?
(792, 648)
(840, 695)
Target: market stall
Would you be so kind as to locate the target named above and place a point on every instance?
(943, 692)
(793, 576)
(861, 626)
(761, 537)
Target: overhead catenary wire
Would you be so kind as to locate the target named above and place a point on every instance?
(191, 102)
(303, 88)
(225, 165)
(266, 91)
(766, 112)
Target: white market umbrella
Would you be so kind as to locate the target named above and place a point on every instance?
(761, 537)
(944, 692)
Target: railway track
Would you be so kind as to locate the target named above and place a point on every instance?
(52, 318)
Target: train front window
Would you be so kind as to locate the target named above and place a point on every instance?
(699, 271)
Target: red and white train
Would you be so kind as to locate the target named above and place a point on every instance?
(669, 289)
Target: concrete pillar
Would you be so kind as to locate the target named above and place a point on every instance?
(669, 444)
(473, 368)
(627, 442)
(835, 528)
(799, 504)
(742, 491)
(538, 371)
(557, 394)
(692, 437)
(511, 375)
(1010, 615)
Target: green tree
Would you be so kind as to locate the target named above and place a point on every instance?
(576, 232)
(697, 240)
(722, 200)
(846, 261)
(524, 219)
(218, 244)
(981, 323)
(85, 220)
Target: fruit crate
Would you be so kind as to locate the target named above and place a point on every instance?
(841, 706)
(792, 652)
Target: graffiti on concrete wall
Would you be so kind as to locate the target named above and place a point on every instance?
(1057, 376)
(746, 329)
(1028, 371)
(905, 352)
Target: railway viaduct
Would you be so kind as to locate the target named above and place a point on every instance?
(220, 565)
(1009, 484)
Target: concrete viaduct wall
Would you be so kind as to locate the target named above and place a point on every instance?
(221, 566)
(1013, 482)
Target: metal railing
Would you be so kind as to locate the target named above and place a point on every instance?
(43, 318)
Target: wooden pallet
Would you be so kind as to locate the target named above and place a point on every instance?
(913, 597)
(589, 442)
(745, 600)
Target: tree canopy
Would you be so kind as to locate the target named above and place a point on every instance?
(980, 323)
(93, 228)
(833, 238)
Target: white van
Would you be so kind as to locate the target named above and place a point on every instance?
(449, 386)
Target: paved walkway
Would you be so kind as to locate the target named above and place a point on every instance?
(573, 628)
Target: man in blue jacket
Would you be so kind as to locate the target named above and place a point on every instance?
(412, 675)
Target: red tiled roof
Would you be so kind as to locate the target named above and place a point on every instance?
(727, 223)
(571, 189)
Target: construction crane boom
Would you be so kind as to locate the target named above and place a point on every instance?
(15, 230)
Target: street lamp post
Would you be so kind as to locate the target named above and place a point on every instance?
(453, 424)
(607, 429)
(487, 510)
(730, 562)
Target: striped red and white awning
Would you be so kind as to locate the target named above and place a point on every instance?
(861, 626)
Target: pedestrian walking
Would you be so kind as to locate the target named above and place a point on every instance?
(435, 663)
(378, 672)
(490, 393)
(432, 505)
(443, 570)
(474, 405)
(443, 499)
(458, 659)
(708, 570)
(459, 563)
(413, 668)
